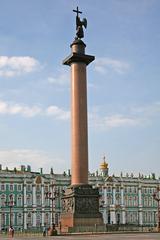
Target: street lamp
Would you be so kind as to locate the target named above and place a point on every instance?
(10, 203)
(156, 196)
(52, 195)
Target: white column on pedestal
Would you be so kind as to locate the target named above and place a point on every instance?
(140, 218)
(34, 218)
(123, 216)
(25, 218)
(43, 217)
(113, 216)
(105, 206)
(0, 221)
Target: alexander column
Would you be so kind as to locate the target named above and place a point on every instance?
(80, 200)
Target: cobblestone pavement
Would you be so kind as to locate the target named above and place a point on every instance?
(133, 236)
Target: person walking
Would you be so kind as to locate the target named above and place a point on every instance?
(44, 231)
(11, 231)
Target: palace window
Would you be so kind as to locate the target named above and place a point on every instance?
(29, 219)
(3, 220)
(46, 188)
(38, 220)
(19, 187)
(2, 187)
(38, 188)
(19, 200)
(11, 187)
(47, 219)
(19, 219)
(29, 188)
(29, 199)
(117, 188)
(3, 199)
(38, 197)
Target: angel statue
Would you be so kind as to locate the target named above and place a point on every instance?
(79, 25)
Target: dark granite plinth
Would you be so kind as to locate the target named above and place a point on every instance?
(80, 207)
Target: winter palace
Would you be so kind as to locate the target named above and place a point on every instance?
(30, 200)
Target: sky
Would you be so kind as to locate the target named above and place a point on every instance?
(123, 84)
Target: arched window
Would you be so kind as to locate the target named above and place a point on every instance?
(56, 219)
(19, 200)
(29, 219)
(29, 200)
(3, 199)
(38, 220)
(38, 197)
(3, 220)
(47, 219)
(19, 219)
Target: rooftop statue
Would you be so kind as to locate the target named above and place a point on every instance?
(79, 25)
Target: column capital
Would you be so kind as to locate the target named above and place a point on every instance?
(78, 58)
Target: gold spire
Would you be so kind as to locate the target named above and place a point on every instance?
(104, 165)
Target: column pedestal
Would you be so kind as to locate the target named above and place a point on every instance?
(80, 207)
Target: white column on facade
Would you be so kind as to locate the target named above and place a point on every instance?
(34, 194)
(43, 197)
(25, 204)
(122, 195)
(43, 202)
(25, 193)
(114, 194)
(139, 196)
(34, 205)
(140, 217)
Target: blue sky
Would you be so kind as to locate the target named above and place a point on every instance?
(123, 83)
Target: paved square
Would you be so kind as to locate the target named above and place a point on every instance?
(126, 236)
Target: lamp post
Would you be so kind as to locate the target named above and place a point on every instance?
(52, 195)
(10, 203)
(156, 196)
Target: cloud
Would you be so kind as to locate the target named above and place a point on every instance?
(133, 116)
(58, 113)
(120, 121)
(147, 110)
(36, 158)
(9, 108)
(14, 109)
(114, 121)
(62, 80)
(102, 65)
(15, 66)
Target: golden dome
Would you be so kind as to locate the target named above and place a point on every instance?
(104, 165)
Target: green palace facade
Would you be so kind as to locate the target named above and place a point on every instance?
(123, 199)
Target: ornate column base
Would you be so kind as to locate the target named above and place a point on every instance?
(80, 207)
